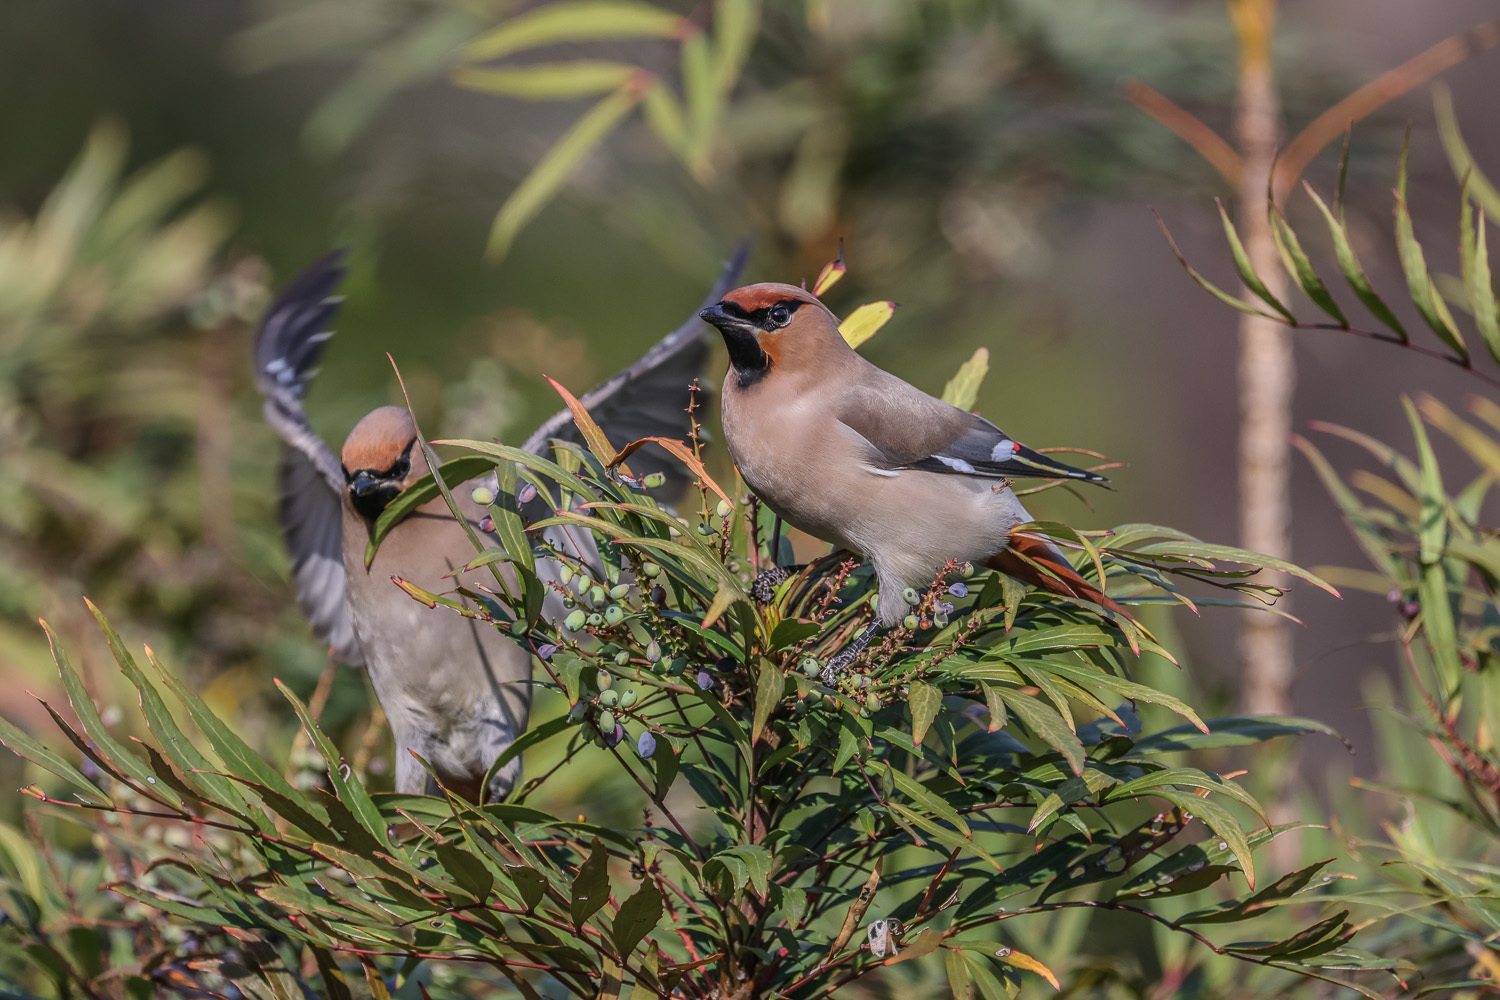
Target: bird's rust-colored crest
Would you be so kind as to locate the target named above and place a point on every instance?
(767, 294)
(379, 440)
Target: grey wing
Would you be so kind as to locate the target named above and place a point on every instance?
(908, 429)
(312, 525)
(649, 398)
(288, 345)
(983, 449)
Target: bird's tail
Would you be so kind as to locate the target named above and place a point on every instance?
(1033, 560)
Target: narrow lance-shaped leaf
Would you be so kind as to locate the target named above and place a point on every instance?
(1246, 269)
(574, 21)
(1353, 271)
(963, 388)
(1414, 265)
(1479, 187)
(735, 24)
(1204, 283)
(552, 172)
(1300, 267)
(560, 81)
(1478, 281)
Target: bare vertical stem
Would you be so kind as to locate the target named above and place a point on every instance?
(1267, 375)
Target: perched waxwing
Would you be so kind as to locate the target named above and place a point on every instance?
(455, 690)
(853, 455)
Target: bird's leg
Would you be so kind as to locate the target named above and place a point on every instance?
(767, 580)
(847, 655)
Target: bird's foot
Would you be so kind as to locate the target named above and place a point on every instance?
(829, 675)
(763, 589)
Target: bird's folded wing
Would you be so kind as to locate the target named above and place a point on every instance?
(908, 429)
(287, 347)
(649, 398)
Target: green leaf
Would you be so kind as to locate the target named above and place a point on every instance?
(919, 794)
(1300, 267)
(1479, 187)
(1230, 731)
(757, 860)
(1219, 820)
(1207, 285)
(1189, 777)
(925, 943)
(547, 178)
(548, 81)
(924, 700)
(590, 888)
(789, 632)
(1283, 888)
(23, 746)
(1478, 281)
(459, 470)
(349, 790)
(1044, 723)
(111, 749)
(573, 21)
(1353, 271)
(638, 916)
(963, 388)
(770, 686)
(1414, 265)
(1246, 269)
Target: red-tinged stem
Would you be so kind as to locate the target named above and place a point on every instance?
(1395, 341)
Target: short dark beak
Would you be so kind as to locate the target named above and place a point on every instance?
(715, 315)
(362, 483)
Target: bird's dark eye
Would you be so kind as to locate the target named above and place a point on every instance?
(781, 314)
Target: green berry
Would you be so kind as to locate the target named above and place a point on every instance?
(650, 570)
(724, 509)
(565, 575)
(628, 699)
(614, 614)
(569, 603)
(910, 622)
(619, 591)
(811, 666)
(604, 681)
(606, 722)
(597, 596)
(872, 703)
(654, 480)
(910, 596)
(940, 620)
(596, 619)
(574, 621)
(653, 651)
(705, 530)
(622, 658)
(577, 712)
(482, 496)
(660, 667)
(609, 698)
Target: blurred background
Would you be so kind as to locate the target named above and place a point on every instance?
(165, 164)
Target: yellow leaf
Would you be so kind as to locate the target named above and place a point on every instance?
(864, 322)
(1021, 960)
(831, 273)
(963, 388)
